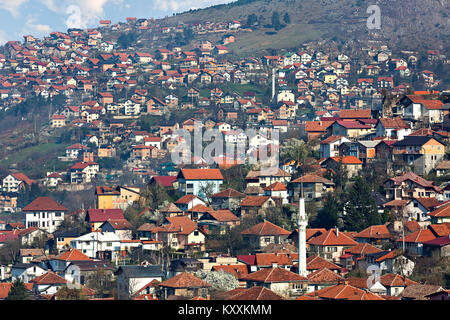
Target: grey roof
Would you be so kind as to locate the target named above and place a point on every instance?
(413, 141)
(140, 271)
(91, 265)
(369, 143)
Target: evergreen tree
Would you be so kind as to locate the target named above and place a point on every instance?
(276, 24)
(328, 216)
(18, 291)
(252, 19)
(360, 208)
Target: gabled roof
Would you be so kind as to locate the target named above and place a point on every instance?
(265, 228)
(72, 255)
(44, 204)
(254, 294)
(185, 280)
(223, 215)
(228, 193)
(344, 292)
(363, 249)
(254, 201)
(332, 238)
(441, 212)
(238, 270)
(395, 280)
(347, 160)
(375, 232)
(276, 186)
(324, 275)
(49, 278)
(118, 224)
(414, 141)
(419, 236)
(271, 275)
(317, 263)
(187, 198)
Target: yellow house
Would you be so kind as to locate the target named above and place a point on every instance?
(106, 197)
(58, 121)
(116, 198)
(330, 78)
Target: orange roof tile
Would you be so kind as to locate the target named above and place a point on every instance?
(184, 280)
(332, 238)
(265, 228)
(72, 255)
(270, 275)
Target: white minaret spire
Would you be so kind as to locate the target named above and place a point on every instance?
(302, 223)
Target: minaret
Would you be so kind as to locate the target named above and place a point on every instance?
(302, 223)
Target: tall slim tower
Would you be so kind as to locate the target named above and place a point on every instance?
(302, 223)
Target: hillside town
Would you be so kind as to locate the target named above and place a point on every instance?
(94, 205)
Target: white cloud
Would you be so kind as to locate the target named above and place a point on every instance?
(32, 26)
(12, 6)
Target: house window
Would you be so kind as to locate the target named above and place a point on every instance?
(109, 244)
(195, 233)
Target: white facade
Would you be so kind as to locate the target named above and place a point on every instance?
(92, 243)
(11, 184)
(48, 221)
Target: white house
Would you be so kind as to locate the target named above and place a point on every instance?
(131, 279)
(195, 181)
(330, 146)
(44, 213)
(26, 271)
(98, 245)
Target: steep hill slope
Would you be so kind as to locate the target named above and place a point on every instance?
(409, 24)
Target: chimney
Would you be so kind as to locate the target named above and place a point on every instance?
(337, 232)
(274, 265)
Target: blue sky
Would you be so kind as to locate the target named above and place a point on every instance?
(40, 17)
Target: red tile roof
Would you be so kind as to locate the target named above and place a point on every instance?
(254, 201)
(419, 236)
(184, 280)
(49, 278)
(72, 255)
(228, 193)
(344, 292)
(324, 275)
(355, 114)
(101, 215)
(332, 238)
(201, 174)
(441, 212)
(238, 271)
(375, 232)
(265, 228)
(270, 275)
(44, 204)
(255, 294)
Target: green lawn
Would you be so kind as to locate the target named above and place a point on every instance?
(33, 159)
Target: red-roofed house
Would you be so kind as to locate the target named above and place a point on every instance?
(280, 281)
(16, 182)
(44, 213)
(331, 245)
(263, 234)
(195, 181)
